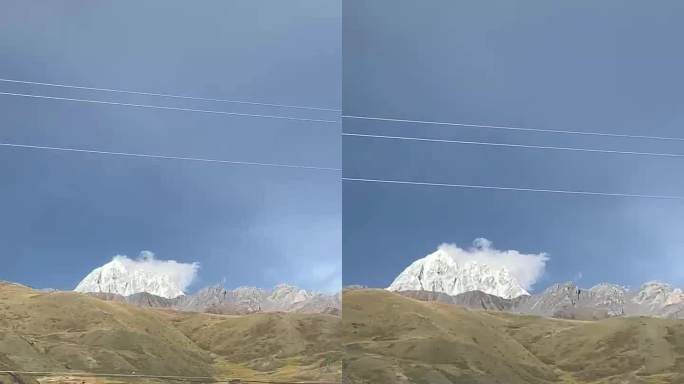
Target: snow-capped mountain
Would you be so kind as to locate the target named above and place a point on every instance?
(440, 272)
(121, 278)
(656, 294)
(288, 294)
(151, 283)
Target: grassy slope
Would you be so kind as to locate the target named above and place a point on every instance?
(393, 339)
(70, 331)
(280, 345)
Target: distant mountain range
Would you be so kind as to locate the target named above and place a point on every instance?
(120, 281)
(440, 277)
(243, 300)
(562, 301)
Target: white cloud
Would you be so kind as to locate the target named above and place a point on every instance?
(526, 268)
(182, 274)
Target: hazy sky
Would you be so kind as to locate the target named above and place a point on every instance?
(63, 214)
(611, 66)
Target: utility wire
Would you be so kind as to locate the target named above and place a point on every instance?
(471, 186)
(131, 92)
(485, 143)
(167, 108)
(510, 128)
(151, 156)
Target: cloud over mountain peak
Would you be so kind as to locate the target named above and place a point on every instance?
(126, 276)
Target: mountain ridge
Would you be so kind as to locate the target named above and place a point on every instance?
(562, 300)
(124, 280)
(242, 300)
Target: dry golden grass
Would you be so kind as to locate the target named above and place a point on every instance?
(68, 331)
(393, 339)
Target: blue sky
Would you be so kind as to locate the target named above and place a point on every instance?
(63, 214)
(613, 66)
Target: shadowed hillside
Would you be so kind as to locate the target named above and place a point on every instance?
(65, 331)
(390, 338)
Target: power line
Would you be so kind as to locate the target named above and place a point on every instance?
(164, 157)
(510, 128)
(472, 186)
(485, 143)
(168, 108)
(131, 92)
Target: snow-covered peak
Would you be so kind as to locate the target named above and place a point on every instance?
(123, 278)
(657, 293)
(440, 272)
(284, 293)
